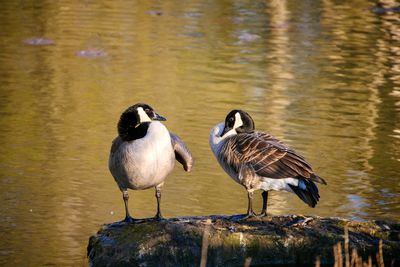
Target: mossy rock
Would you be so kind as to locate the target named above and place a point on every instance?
(277, 240)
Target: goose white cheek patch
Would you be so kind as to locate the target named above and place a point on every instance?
(238, 121)
(143, 115)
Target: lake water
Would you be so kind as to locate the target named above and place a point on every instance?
(324, 76)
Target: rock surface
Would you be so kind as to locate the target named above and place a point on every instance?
(277, 240)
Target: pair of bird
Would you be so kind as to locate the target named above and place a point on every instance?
(144, 153)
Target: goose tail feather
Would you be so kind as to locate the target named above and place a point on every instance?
(306, 191)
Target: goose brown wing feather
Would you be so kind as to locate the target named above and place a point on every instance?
(268, 156)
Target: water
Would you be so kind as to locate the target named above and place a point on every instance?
(322, 76)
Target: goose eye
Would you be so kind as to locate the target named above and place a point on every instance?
(231, 119)
(147, 110)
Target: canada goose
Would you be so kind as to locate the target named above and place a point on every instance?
(144, 153)
(258, 160)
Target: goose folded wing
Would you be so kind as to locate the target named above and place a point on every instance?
(271, 158)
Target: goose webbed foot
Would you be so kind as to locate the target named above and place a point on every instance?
(158, 217)
(262, 214)
(128, 219)
(248, 216)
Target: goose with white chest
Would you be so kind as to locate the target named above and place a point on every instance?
(144, 153)
(259, 161)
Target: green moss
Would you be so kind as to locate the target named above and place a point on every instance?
(382, 235)
(138, 232)
(232, 240)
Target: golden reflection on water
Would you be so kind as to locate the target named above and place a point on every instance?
(322, 76)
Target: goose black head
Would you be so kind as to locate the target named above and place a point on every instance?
(239, 121)
(135, 120)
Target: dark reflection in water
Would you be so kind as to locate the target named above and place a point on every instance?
(323, 76)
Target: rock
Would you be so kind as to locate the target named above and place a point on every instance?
(278, 240)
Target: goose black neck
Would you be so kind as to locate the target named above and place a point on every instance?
(129, 132)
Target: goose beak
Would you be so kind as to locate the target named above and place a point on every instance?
(224, 131)
(158, 117)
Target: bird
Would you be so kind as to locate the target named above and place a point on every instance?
(259, 161)
(144, 153)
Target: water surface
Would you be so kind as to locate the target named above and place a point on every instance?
(323, 76)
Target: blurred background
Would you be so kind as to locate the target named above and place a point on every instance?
(324, 76)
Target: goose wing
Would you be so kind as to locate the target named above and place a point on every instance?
(269, 157)
(116, 143)
(182, 153)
